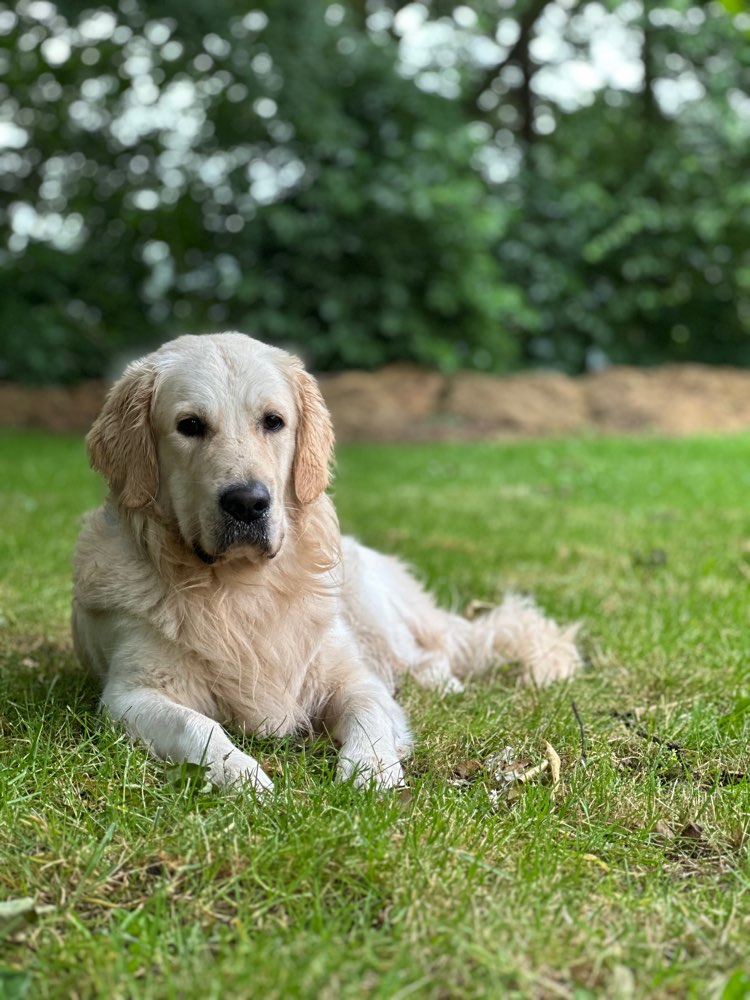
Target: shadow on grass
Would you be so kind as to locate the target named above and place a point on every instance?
(42, 681)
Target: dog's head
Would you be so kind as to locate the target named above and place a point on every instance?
(221, 435)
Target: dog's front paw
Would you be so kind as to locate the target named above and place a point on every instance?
(236, 770)
(383, 770)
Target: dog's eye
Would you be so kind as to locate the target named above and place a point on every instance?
(272, 422)
(191, 427)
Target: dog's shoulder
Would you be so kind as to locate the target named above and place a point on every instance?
(110, 572)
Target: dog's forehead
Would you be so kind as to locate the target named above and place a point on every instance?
(239, 373)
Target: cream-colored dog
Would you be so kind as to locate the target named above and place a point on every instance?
(213, 587)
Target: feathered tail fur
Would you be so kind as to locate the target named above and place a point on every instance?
(514, 632)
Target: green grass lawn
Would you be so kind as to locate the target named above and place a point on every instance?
(632, 880)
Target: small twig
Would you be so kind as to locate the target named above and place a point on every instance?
(579, 720)
(724, 777)
(627, 719)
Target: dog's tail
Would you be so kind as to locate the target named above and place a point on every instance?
(515, 632)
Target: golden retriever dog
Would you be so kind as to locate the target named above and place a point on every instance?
(213, 588)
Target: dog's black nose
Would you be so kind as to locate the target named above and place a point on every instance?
(246, 502)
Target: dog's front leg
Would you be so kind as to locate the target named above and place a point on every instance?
(174, 732)
(159, 696)
(366, 721)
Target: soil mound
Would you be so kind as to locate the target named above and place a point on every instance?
(407, 403)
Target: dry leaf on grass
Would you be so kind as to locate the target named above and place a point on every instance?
(511, 774)
(553, 758)
(507, 773)
(474, 608)
(663, 829)
(17, 913)
(692, 831)
(12, 909)
(466, 771)
(505, 768)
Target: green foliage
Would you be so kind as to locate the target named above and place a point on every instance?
(282, 178)
(633, 230)
(284, 170)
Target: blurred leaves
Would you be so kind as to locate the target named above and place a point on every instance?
(285, 171)
(15, 913)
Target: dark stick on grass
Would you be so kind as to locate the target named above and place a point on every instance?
(628, 720)
(724, 777)
(579, 720)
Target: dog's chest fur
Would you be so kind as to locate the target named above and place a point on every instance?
(246, 641)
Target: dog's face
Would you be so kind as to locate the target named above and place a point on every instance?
(225, 425)
(220, 435)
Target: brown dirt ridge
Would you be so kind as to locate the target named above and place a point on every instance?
(406, 403)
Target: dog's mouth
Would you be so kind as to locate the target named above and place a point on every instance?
(237, 540)
(203, 555)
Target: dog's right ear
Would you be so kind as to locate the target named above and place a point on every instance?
(121, 444)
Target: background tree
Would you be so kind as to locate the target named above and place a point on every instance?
(373, 181)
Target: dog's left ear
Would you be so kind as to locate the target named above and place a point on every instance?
(313, 453)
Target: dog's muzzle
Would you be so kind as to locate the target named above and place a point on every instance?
(245, 520)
